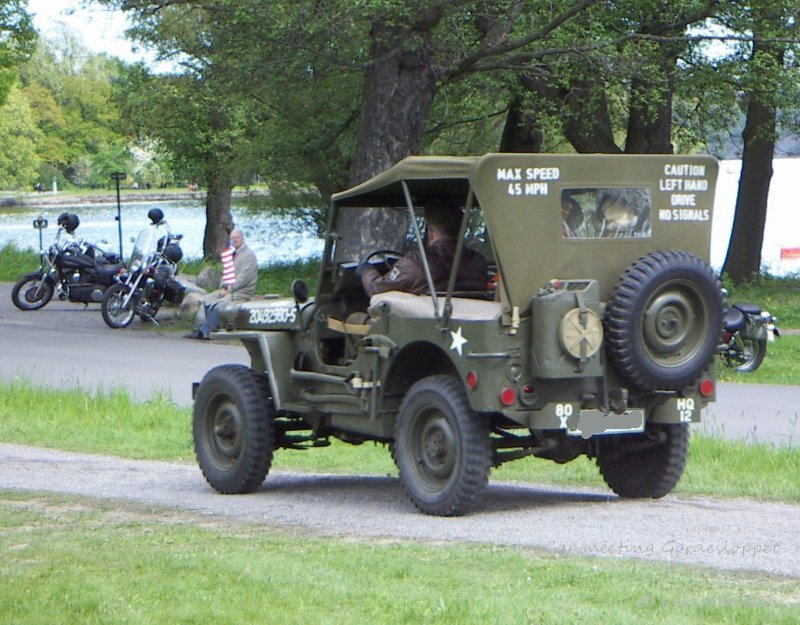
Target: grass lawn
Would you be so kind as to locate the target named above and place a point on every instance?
(113, 423)
(78, 561)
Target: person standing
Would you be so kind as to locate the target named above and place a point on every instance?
(238, 284)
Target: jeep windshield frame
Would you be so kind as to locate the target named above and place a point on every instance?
(411, 183)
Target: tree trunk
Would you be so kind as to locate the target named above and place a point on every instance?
(584, 110)
(399, 88)
(521, 132)
(650, 121)
(219, 221)
(743, 260)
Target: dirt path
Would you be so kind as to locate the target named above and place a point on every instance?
(724, 534)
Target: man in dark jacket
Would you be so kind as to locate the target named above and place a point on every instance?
(408, 273)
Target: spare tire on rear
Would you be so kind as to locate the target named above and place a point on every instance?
(664, 320)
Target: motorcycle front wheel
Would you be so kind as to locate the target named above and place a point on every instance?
(32, 291)
(115, 313)
(751, 357)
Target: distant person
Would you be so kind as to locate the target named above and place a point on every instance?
(238, 284)
(443, 221)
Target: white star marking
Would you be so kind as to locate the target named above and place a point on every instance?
(458, 341)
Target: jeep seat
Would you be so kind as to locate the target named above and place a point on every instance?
(402, 304)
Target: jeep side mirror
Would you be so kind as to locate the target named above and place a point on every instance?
(300, 291)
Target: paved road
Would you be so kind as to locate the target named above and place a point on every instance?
(725, 534)
(66, 344)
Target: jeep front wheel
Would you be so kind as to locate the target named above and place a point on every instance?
(233, 430)
(442, 447)
(653, 468)
(664, 320)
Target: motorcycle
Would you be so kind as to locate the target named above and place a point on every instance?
(74, 269)
(746, 331)
(148, 281)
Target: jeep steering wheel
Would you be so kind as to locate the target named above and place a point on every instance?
(388, 257)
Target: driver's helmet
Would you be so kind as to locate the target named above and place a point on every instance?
(155, 215)
(444, 214)
(69, 221)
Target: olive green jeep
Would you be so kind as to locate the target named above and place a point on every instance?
(594, 335)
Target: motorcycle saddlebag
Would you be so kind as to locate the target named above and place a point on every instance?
(755, 328)
(174, 291)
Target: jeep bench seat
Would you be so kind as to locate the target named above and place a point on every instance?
(402, 304)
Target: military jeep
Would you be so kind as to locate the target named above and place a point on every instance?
(594, 335)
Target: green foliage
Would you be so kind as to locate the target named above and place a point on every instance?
(780, 296)
(110, 420)
(17, 41)
(278, 277)
(15, 262)
(781, 365)
(19, 162)
(71, 95)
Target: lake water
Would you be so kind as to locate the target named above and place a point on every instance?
(274, 238)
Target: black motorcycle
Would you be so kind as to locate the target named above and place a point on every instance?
(745, 333)
(74, 269)
(148, 281)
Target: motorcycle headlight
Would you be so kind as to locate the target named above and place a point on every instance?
(136, 265)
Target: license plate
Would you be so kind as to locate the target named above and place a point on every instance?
(599, 423)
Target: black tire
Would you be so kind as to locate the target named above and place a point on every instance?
(114, 313)
(32, 291)
(664, 320)
(753, 352)
(233, 429)
(650, 471)
(442, 447)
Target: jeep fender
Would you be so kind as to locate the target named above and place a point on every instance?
(271, 354)
(415, 361)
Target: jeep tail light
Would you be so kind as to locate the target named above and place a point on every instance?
(706, 387)
(507, 396)
(472, 380)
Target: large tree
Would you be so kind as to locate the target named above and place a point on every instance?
(206, 132)
(768, 79)
(208, 128)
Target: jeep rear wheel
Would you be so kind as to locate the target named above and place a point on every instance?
(233, 430)
(442, 447)
(651, 470)
(664, 320)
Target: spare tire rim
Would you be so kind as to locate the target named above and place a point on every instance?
(673, 325)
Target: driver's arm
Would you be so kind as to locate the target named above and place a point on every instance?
(406, 275)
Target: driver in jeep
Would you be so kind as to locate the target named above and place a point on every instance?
(443, 220)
